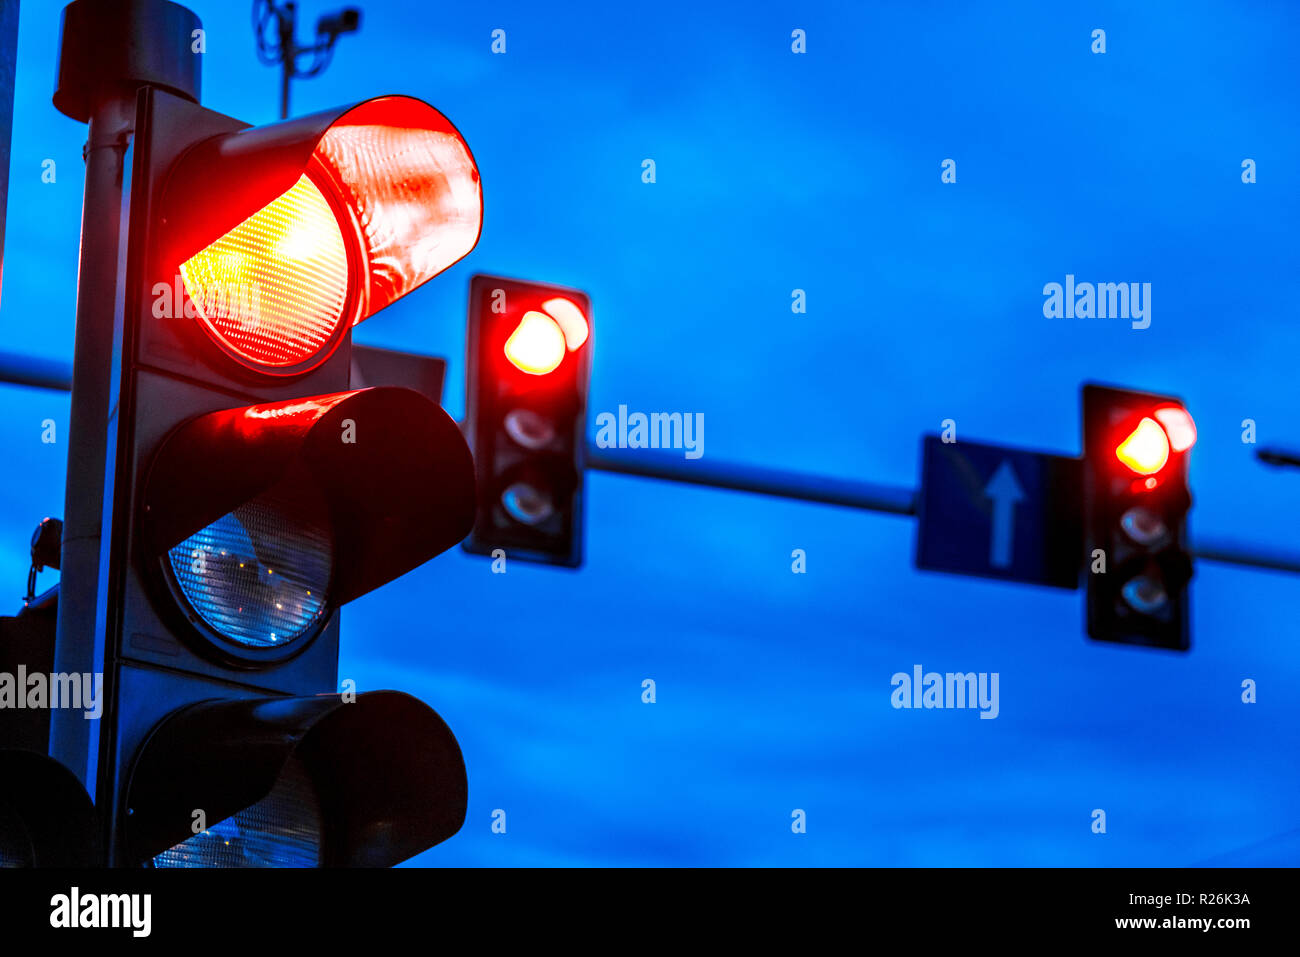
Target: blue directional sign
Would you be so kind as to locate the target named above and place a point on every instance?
(998, 512)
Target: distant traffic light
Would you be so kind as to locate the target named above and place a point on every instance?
(529, 362)
(1136, 501)
(254, 492)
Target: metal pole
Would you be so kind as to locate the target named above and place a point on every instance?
(36, 373)
(111, 126)
(890, 499)
(1249, 556)
(871, 497)
(1279, 456)
(287, 24)
(284, 91)
(108, 49)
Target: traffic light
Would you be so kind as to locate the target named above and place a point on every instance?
(529, 363)
(252, 491)
(1136, 494)
(46, 818)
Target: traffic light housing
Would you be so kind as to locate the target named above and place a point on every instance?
(46, 816)
(252, 490)
(529, 364)
(291, 781)
(1137, 566)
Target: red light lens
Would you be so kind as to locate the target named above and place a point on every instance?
(537, 344)
(540, 341)
(1146, 450)
(272, 291)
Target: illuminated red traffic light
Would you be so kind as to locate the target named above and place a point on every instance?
(285, 236)
(1146, 449)
(540, 341)
(529, 348)
(1136, 500)
(258, 489)
(274, 288)
(537, 344)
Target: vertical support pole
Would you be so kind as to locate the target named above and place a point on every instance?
(287, 21)
(108, 50)
(72, 738)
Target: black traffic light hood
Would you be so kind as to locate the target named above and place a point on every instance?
(394, 165)
(387, 769)
(393, 467)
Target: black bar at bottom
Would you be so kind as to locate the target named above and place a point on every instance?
(973, 907)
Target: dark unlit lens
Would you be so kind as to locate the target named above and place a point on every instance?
(1144, 526)
(527, 504)
(1145, 594)
(529, 429)
(281, 830)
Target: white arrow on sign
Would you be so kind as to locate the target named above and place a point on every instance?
(1005, 491)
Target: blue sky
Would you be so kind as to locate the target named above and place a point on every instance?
(820, 171)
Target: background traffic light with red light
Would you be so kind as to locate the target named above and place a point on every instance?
(528, 367)
(252, 491)
(1137, 562)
